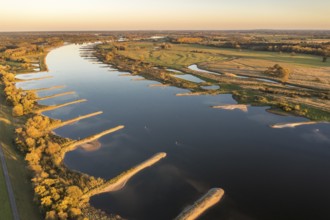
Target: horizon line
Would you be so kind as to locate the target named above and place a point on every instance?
(174, 30)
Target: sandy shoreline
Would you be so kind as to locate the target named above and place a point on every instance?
(53, 107)
(243, 108)
(159, 85)
(295, 124)
(47, 89)
(56, 95)
(33, 79)
(212, 197)
(91, 138)
(122, 180)
(125, 74)
(192, 94)
(91, 146)
(70, 121)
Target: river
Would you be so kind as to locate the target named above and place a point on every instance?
(266, 173)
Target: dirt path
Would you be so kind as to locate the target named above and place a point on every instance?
(9, 187)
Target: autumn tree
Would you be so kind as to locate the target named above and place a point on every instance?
(189, 39)
(279, 72)
(18, 110)
(325, 55)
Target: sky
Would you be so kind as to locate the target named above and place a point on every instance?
(75, 15)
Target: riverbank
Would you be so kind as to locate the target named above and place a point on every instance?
(19, 175)
(296, 97)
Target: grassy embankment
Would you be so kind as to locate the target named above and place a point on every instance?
(182, 55)
(310, 98)
(5, 208)
(19, 175)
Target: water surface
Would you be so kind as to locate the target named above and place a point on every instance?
(266, 173)
(189, 77)
(196, 68)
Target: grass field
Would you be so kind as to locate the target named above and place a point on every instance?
(176, 57)
(5, 210)
(17, 169)
(187, 54)
(305, 70)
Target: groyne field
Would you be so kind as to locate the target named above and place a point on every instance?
(296, 84)
(44, 153)
(60, 192)
(47, 189)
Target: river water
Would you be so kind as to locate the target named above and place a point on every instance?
(266, 173)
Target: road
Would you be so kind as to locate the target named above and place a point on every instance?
(9, 187)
